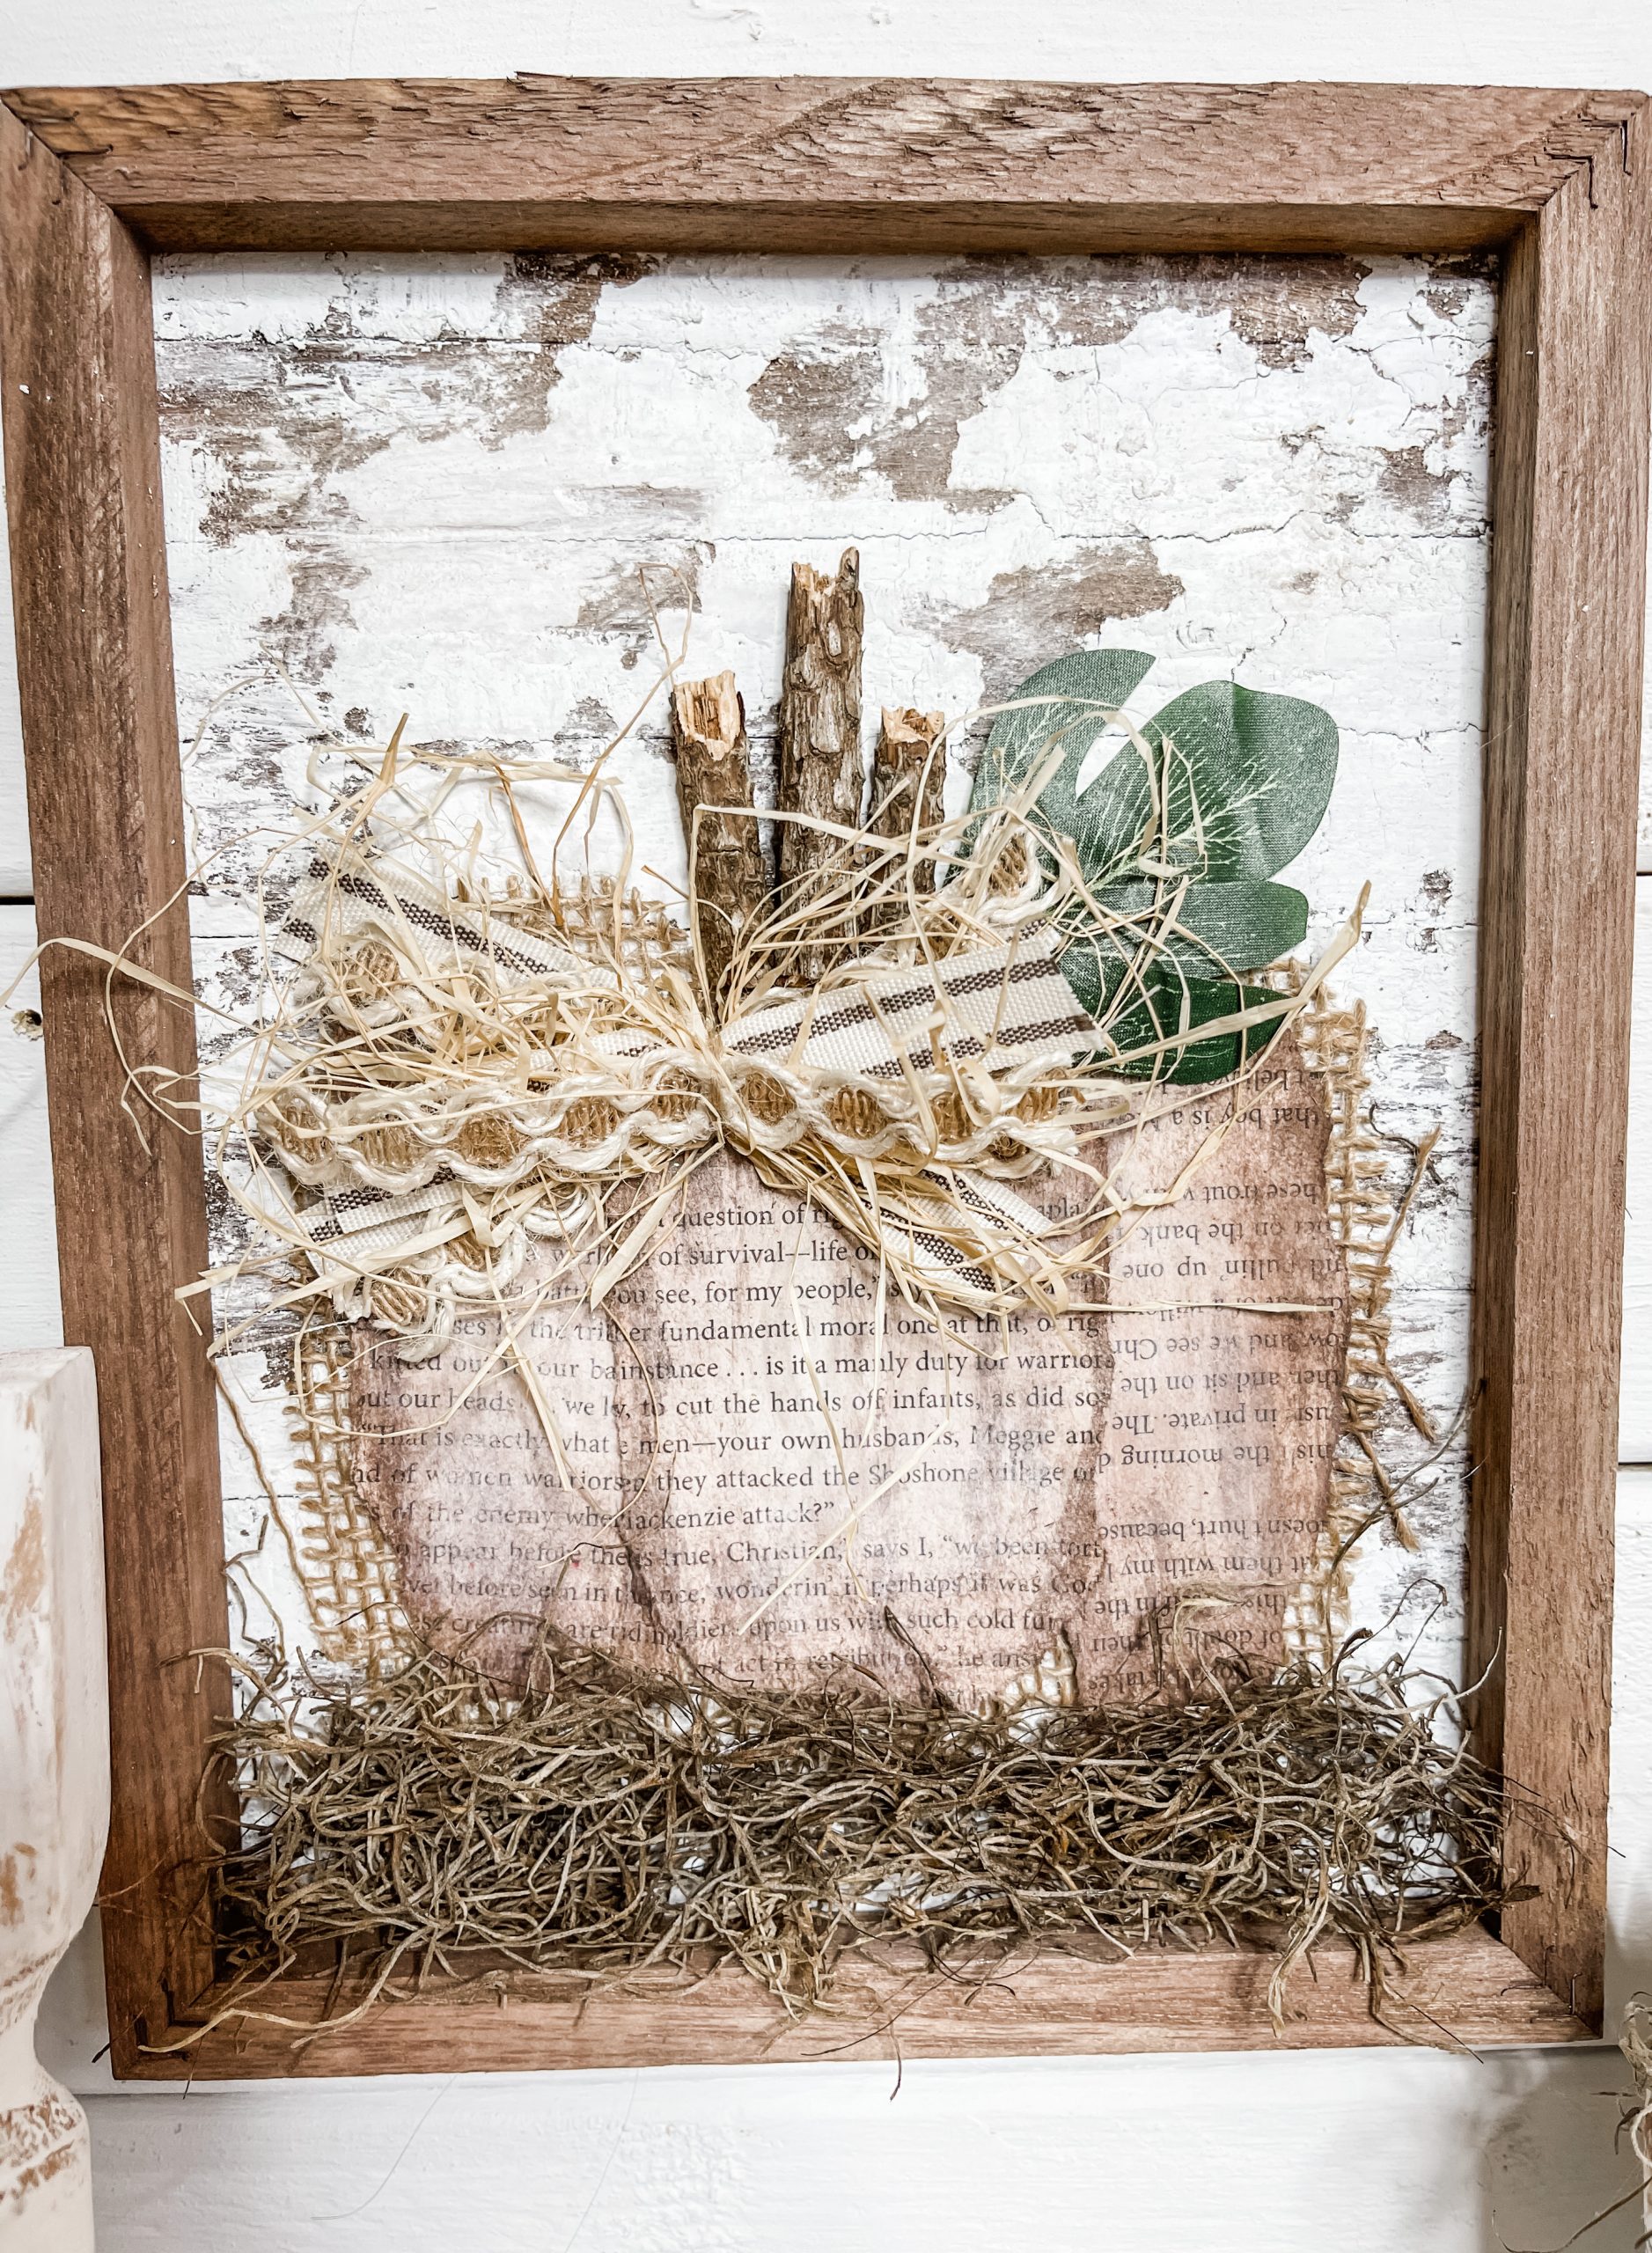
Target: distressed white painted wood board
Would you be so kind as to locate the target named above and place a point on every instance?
(438, 485)
(1635, 1425)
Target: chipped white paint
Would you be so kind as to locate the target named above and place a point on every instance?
(453, 487)
(54, 1771)
(1264, 2156)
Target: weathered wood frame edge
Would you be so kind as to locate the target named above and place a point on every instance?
(94, 181)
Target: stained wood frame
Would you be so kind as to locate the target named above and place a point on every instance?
(92, 181)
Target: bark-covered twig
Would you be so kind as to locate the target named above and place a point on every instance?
(713, 771)
(909, 778)
(820, 772)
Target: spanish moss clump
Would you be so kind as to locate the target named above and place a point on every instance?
(610, 1825)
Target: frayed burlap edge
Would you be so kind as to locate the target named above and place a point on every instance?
(1367, 1210)
(349, 1574)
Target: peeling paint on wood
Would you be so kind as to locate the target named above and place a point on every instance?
(479, 488)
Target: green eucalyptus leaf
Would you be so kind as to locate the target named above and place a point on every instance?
(1070, 700)
(1166, 1006)
(1243, 785)
(1248, 777)
(1225, 786)
(1219, 927)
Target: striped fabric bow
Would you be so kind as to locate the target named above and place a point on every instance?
(901, 1098)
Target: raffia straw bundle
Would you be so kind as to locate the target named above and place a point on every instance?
(464, 1050)
(464, 1055)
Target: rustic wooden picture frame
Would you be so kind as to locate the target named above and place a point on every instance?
(91, 181)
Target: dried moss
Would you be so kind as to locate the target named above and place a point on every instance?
(610, 1824)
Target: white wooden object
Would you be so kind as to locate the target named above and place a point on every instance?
(54, 1771)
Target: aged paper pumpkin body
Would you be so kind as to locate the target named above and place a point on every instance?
(782, 1473)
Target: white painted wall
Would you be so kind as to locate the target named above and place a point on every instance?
(1442, 2154)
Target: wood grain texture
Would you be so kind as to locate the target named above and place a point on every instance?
(730, 878)
(94, 663)
(820, 772)
(1469, 1987)
(1568, 511)
(799, 164)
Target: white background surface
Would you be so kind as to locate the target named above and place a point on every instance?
(1447, 2155)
